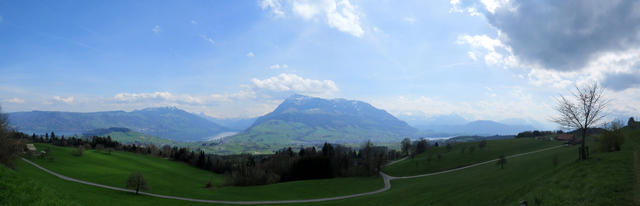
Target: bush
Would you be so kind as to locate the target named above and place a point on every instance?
(9, 147)
(78, 152)
(611, 139)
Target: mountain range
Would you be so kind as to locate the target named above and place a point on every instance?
(309, 120)
(166, 122)
(478, 127)
(297, 120)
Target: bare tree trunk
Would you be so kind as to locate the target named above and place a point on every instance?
(583, 152)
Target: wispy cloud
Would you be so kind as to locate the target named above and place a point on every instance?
(14, 100)
(67, 100)
(250, 54)
(194, 22)
(208, 39)
(274, 6)
(156, 29)
(278, 66)
(409, 20)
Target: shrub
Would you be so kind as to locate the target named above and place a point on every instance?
(78, 152)
(611, 139)
(9, 147)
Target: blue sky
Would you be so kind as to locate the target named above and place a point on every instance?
(491, 59)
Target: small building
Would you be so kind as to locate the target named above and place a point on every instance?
(565, 137)
(31, 148)
(568, 139)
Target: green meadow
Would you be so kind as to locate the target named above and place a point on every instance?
(461, 154)
(552, 177)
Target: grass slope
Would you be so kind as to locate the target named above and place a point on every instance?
(18, 190)
(456, 158)
(178, 179)
(606, 179)
(481, 185)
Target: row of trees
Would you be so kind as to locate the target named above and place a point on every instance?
(536, 133)
(412, 148)
(308, 163)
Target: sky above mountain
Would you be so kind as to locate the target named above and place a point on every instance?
(489, 59)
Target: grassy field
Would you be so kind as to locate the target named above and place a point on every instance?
(18, 190)
(420, 164)
(179, 179)
(605, 179)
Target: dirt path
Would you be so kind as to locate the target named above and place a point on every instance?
(386, 178)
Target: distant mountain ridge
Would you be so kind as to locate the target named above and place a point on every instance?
(165, 122)
(478, 127)
(302, 119)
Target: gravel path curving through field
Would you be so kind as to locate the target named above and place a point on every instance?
(387, 184)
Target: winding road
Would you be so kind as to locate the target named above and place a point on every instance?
(387, 184)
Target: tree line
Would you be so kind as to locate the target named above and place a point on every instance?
(287, 164)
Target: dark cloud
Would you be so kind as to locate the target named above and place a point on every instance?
(622, 81)
(565, 35)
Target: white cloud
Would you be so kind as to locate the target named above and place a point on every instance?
(168, 97)
(294, 83)
(129, 97)
(344, 16)
(625, 101)
(67, 100)
(472, 56)
(208, 39)
(278, 66)
(305, 10)
(15, 100)
(495, 52)
(274, 5)
(194, 22)
(339, 14)
(409, 20)
(246, 93)
(492, 5)
(156, 29)
(250, 54)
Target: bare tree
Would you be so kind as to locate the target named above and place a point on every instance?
(501, 161)
(137, 181)
(583, 110)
